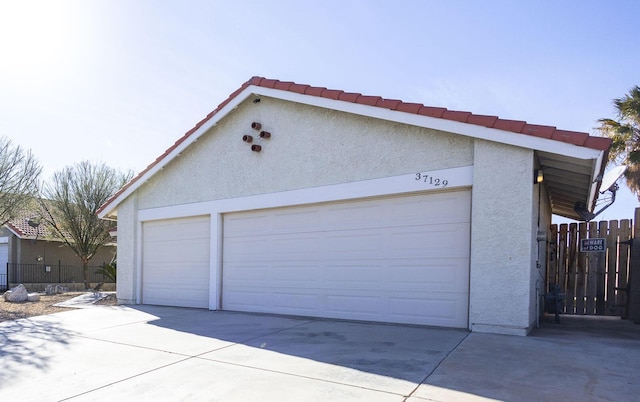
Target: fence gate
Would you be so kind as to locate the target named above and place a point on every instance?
(593, 280)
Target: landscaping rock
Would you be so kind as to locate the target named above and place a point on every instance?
(33, 297)
(17, 294)
(55, 290)
(50, 290)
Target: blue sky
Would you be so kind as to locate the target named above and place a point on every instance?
(119, 81)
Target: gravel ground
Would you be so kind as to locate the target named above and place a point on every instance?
(14, 311)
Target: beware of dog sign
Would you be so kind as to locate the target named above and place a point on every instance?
(594, 245)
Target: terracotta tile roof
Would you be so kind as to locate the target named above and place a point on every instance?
(515, 126)
(21, 228)
(20, 224)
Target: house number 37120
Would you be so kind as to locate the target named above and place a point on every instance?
(434, 181)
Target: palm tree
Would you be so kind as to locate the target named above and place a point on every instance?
(625, 133)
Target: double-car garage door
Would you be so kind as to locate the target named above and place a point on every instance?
(402, 259)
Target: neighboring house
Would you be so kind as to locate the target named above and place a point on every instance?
(354, 207)
(26, 241)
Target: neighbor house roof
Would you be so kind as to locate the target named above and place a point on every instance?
(557, 149)
(27, 223)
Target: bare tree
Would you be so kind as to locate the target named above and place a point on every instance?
(19, 174)
(72, 201)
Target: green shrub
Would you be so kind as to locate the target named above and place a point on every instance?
(108, 270)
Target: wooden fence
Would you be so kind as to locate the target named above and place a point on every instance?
(594, 283)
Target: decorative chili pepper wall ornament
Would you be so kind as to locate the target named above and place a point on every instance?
(264, 135)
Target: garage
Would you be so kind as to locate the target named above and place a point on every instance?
(401, 259)
(325, 203)
(175, 262)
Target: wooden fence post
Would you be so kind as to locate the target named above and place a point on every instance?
(634, 272)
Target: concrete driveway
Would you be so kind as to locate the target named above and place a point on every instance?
(162, 353)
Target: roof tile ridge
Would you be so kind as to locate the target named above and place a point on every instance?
(489, 121)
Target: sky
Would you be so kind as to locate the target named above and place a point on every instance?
(119, 81)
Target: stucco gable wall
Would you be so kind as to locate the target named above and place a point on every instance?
(309, 147)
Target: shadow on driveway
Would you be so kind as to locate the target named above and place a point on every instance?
(166, 353)
(25, 343)
(403, 352)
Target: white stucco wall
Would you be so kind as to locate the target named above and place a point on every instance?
(501, 248)
(309, 147)
(127, 233)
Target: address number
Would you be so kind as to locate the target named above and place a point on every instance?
(432, 180)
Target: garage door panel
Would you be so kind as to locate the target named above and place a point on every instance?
(287, 246)
(175, 262)
(246, 300)
(351, 244)
(168, 251)
(350, 274)
(166, 229)
(445, 208)
(433, 276)
(291, 273)
(294, 302)
(178, 297)
(177, 271)
(443, 310)
(295, 220)
(244, 225)
(350, 216)
(374, 276)
(278, 247)
(242, 273)
(245, 249)
(429, 241)
(158, 290)
(295, 273)
(374, 259)
(354, 306)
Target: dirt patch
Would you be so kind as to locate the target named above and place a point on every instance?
(14, 311)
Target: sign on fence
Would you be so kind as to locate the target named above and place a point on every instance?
(595, 245)
(594, 282)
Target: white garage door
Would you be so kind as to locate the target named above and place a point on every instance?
(401, 259)
(4, 259)
(175, 262)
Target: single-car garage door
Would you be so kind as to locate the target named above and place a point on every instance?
(175, 262)
(395, 259)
